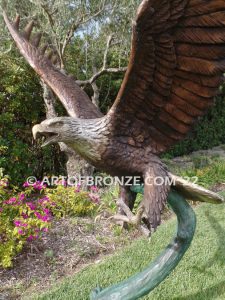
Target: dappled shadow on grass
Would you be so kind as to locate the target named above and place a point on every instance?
(218, 258)
(210, 293)
(219, 255)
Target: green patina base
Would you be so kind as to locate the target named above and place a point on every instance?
(144, 282)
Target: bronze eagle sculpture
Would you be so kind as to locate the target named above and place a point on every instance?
(175, 69)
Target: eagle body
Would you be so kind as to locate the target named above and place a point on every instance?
(94, 140)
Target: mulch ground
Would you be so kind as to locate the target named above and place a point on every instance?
(71, 244)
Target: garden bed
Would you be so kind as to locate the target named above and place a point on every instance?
(70, 245)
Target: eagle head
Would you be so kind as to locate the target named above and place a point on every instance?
(87, 137)
(56, 130)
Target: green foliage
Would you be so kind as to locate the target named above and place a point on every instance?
(20, 108)
(108, 199)
(209, 175)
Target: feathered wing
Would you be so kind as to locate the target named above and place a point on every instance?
(175, 70)
(74, 99)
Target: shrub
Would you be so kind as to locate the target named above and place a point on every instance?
(25, 216)
(209, 175)
(73, 202)
(22, 219)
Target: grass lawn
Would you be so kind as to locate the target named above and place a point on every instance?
(200, 275)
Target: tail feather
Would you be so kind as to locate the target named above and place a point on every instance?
(194, 192)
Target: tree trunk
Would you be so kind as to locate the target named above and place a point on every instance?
(75, 166)
(96, 92)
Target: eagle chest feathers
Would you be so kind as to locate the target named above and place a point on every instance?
(90, 138)
(96, 141)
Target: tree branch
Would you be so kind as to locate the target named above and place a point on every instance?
(76, 24)
(108, 44)
(99, 74)
(69, 36)
(104, 69)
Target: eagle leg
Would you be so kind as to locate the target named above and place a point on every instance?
(127, 196)
(130, 218)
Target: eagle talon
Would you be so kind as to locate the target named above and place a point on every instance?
(130, 218)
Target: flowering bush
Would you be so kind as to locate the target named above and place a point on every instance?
(26, 216)
(73, 202)
(22, 219)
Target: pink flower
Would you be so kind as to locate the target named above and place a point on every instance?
(94, 188)
(20, 231)
(11, 201)
(26, 184)
(45, 229)
(38, 215)
(31, 205)
(94, 198)
(17, 223)
(24, 225)
(22, 197)
(1, 209)
(25, 216)
(46, 211)
(31, 238)
(39, 186)
(46, 218)
(43, 201)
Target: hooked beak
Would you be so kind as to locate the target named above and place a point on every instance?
(41, 131)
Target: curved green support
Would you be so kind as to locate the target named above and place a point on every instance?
(144, 282)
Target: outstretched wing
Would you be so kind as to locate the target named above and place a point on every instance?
(74, 99)
(175, 70)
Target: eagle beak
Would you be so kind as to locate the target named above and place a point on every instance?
(48, 136)
(37, 129)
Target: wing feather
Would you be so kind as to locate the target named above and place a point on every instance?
(216, 19)
(203, 7)
(155, 194)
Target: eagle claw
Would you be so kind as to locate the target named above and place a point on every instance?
(130, 218)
